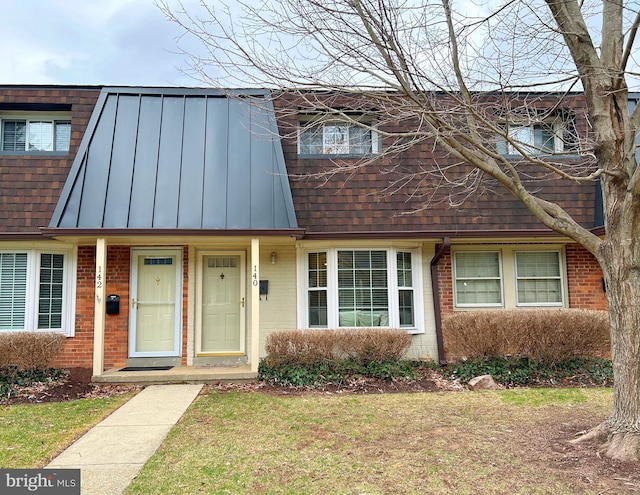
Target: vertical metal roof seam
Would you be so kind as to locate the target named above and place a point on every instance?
(135, 152)
(181, 164)
(113, 138)
(226, 181)
(155, 185)
(83, 173)
(204, 158)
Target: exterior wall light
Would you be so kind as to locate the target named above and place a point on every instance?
(274, 257)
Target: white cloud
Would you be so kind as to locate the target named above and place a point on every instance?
(124, 42)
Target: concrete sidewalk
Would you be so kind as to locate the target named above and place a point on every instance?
(111, 454)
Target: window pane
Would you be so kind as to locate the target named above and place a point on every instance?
(336, 139)
(538, 264)
(405, 304)
(544, 138)
(539, 291)
(478, 292)
(50, 291)
(311, 141)
(13, 290)
(14, 134)
(40, 136)
(63, 136)
(538, 277)
(359, 140)
(476, 265)
(363, 295)
(405, 274)
(478, 278)
(318, 308)
(317, 270)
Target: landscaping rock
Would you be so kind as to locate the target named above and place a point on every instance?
(484, 382)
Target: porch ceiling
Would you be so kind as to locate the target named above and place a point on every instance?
(171, 158)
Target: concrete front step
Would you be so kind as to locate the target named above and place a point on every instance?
(178, 374)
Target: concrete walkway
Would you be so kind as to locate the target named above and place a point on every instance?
(111, 454)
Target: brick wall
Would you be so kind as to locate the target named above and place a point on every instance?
(30, 184)
(584, 279)
(79, 349)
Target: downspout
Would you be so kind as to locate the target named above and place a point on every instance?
(444, 247)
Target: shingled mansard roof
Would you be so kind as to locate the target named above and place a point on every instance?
(176, 158)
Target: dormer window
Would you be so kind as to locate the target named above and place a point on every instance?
(35, 133)
(329, 137)
(538, 132)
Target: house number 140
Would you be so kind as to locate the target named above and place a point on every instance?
(254, 277)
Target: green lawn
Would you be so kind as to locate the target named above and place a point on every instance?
(437, 443)
(31, 435)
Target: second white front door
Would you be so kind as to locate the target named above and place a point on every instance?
(221, 303)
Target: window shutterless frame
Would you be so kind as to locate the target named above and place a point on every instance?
(361, 287)
(324, 136)
(478, 279)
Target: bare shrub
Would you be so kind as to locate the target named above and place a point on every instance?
(373, 344)
(543, 335)
(317, 346)
(30, 350)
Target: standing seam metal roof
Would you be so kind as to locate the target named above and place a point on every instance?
(177, 158)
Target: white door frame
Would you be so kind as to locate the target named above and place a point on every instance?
(241, 301)
(133, 289)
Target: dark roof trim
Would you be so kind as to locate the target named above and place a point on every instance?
(177, 91)
(435, 235)
(22, 236)
(297, 233)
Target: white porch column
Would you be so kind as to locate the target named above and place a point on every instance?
(255, 304)
(99, 311)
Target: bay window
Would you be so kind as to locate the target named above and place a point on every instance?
(348, 288)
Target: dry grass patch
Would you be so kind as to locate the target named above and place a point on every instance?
(436, 443)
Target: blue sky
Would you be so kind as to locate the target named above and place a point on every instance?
(108, 42)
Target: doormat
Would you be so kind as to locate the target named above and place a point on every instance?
(146, 368)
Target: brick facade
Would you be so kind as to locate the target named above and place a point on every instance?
(79, 350)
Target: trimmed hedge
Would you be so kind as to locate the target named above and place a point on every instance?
(30, 350)
(542, 335)
(311, 347)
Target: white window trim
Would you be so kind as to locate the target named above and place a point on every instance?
(332, 286)
(562, 278)
(507, 258)
(69, 289)
(500, 280)
(53, 117)
(307, 122)
(557, 125)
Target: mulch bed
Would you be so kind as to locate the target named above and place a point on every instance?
(75, 384)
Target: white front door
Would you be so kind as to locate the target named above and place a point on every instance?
(156, 297)
(220, 313)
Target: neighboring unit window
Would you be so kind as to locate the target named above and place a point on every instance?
(361, 288)
(13, 290)
(35, 135)
(538, 278)
(336, 138)
(33, 290)
(51, 291)
(536, 139)
(478, 279)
